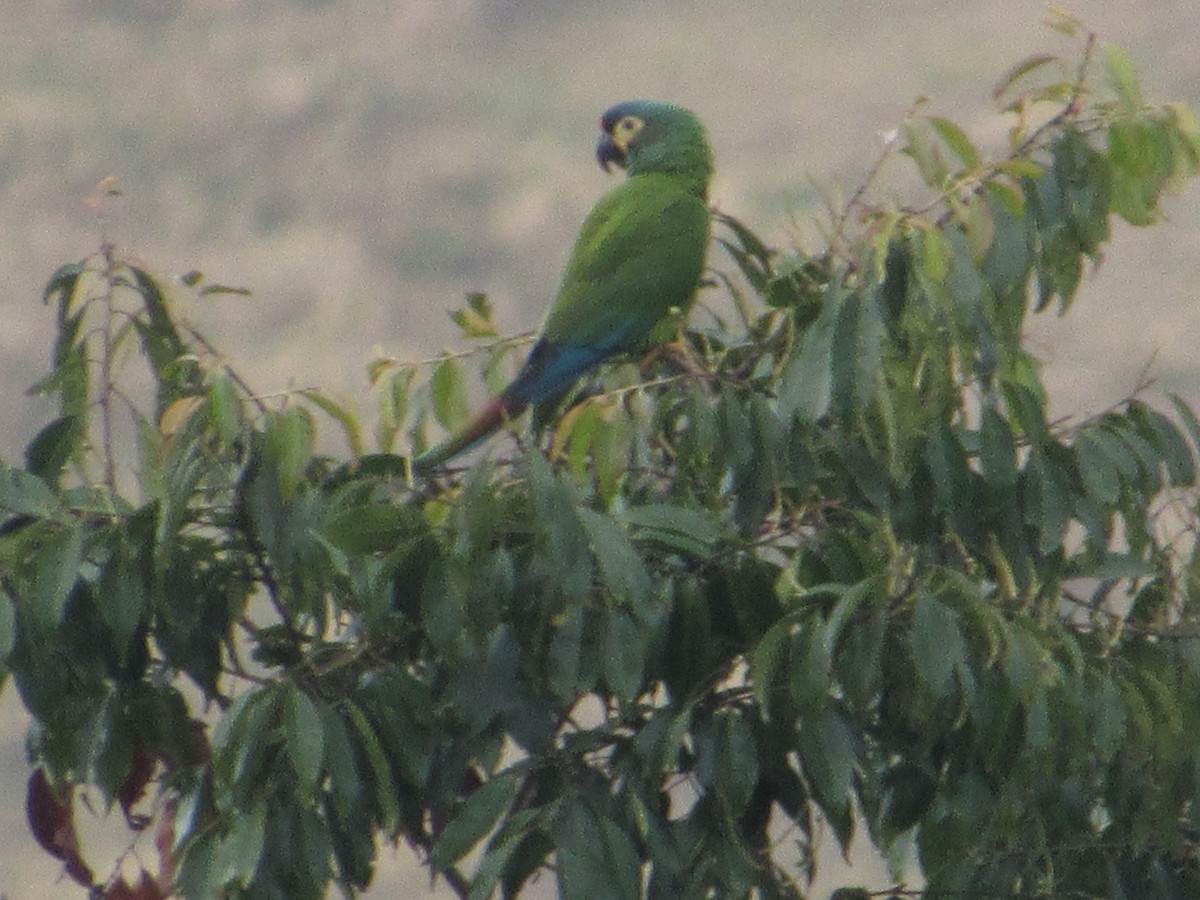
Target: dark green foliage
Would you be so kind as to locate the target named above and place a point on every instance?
(840, 566)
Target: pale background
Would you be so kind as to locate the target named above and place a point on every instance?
(361, 166)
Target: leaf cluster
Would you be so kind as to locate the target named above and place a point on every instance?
(831, 563)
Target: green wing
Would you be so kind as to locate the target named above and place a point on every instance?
(639, 255)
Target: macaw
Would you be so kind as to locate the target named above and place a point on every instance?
(636, 261)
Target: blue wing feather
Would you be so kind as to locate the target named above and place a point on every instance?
(550, 369)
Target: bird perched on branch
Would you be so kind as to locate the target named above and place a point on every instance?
(636, 261)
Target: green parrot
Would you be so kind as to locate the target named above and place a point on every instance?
(636, 261)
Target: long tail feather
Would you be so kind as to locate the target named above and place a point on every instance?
(486, 421)
(550, 369)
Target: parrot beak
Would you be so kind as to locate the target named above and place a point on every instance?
(609, 152)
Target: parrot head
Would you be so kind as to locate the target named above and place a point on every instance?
(649, 136)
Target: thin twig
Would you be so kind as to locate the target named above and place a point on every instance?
(889, 147)
(974, 183)
(525, 337)
(106, 370)
(1073, 104)
(1145, 381)
(237, 379)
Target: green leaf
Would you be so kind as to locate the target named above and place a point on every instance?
(449, 394)
(210, 290)
(110, 745)
(1026, 661)
(737, 760)
(1173, 448)
(189, 815)
(566, 647)
(175, 369)
(122, 596)
(344, 416)
(304, 738)
(596, 860)
(687, 529)
(1147, 455)
(810, 661)
(24, 494)
(291, 438)
(1184, 135)
(957, 140)
(1182, 409)
(56, 569)
(1124, 80)
(71, 376)
(621, 568)
(1107, 720)
(950, 831)
(443, 603)
(1020, 70)
(947, 461)
(575, 431)
(345, 782)
(1133, 151)
(54, 446)
(1010, 203)
(997, 450)
(859, 657)
(979, 226)
(224, 407)
(240, 744)
(856, 350)
(768, 656)
(925, 153)
(62, 283)
(752, 257)
(373, 527)
(497, 858)
(851, 599)
(243, 846)
(474, 819)
(611, 450)
(806, 385)
(1101, 478)
(381, 782)
(353, 845)
(558, 522)
(1048, 500)
(1116, 451)
(475, 321)
(937, 644)
(624, 655)
(829, 751)
(749, 241)
(225, 731)
(933, 254)
(201, 874)
(8, 631)
(1111, 567)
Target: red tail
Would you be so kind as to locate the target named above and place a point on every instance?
(486, 421)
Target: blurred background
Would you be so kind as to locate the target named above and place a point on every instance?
(360, 167)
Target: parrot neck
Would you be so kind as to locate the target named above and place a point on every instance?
(691, 167)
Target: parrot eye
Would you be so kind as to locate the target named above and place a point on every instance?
(630, 125)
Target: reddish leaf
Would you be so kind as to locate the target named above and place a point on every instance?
(53, 826)
(141, 769)
(197, 750)
(146, 889)
(164, 839)
(201, 749)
